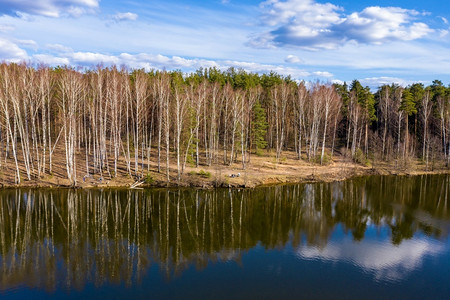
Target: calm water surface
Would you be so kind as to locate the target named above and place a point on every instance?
(375, 237)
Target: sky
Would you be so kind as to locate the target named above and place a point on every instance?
(376, 42)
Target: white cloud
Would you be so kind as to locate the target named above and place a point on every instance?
(150, 61)
(51, 60)
(59, 48)
(382, 24)
(65, 56)
(89, 58)
(443, 33)
(338, 81)
(375, 82)
(323, 74)
(265, 68)
(10, 52)
(312, 25)
(306, 12)
(23, 16)
(292, 59)
(261, 41)
(6, 28)
(48, 8)
(159, 61)
(28, 44)
(128, 16)
(445, 20)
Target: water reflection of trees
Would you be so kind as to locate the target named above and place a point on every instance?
(68, 237)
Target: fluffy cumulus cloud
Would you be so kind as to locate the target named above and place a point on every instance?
(380, 24)
(48, 8)
(312, 25)
(127, 16)
(89, 58)
(304, 12)
(10, 52)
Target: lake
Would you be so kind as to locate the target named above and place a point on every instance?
(369, 237)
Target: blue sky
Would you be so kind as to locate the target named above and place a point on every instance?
(376, 42)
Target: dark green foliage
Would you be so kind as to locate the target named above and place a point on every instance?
(201, 173)
(365, 98)
(417, 91)
(270, 80)
(408, 105)
(369, 104)
(148, 179)
(342, 90)
(204, 174)
(259, 126)
(360, 157)
(438, 89)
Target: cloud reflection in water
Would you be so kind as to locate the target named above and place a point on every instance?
(387, 262)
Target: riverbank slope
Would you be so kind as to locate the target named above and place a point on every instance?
(261, 170)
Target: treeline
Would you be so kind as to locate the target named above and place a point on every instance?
(111, 116)
(397, 122)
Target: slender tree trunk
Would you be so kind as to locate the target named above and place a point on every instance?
(324, 135)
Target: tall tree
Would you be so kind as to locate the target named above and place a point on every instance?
(426, 112)
(71, 87)
(259, 127)
(409, 107)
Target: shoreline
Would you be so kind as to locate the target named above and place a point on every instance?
(252, 177)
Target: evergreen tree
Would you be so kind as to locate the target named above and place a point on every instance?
(409, 107)
(369, 105)
(408, 104)
(259, 127)
(343, 92)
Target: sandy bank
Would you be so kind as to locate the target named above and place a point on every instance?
(262, 170)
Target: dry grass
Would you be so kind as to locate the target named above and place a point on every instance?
(261, 170)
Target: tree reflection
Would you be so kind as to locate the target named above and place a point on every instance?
(52, 238)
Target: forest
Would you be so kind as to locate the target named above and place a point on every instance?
(107, 117)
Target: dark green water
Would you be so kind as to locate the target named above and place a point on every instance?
(375, 237)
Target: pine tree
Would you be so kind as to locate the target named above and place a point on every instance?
(418, 91)
(259, 127)
(409, 107)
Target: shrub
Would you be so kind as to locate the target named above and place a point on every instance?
(148, 179)
(326, 159)
(201, 173)
(204, 174)
(360, 157)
